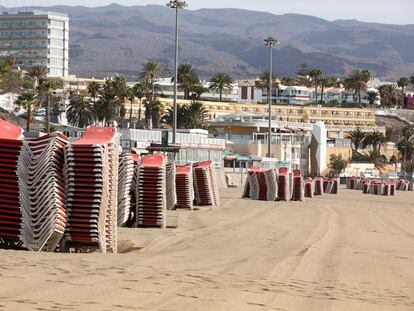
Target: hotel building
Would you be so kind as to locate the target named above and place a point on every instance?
(36, 38)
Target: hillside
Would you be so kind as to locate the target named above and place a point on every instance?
(115, 38)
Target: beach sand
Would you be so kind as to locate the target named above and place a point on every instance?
(345, 252)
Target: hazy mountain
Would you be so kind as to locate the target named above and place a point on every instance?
(119, 39)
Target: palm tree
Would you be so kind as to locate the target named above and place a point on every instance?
(80, 112)
(156, 107)
(372, 97)
(196, 115)
(357, 81)
(93, 90)
(374, 156)
(181, 116)
(37, 72)
(190, 116)
(187, 78)
(105, 109)
(403, 83)
(389, 95)
(27, 100)
(151, 71)
(47, 88)
(406, 150)
(374, 139)
(221, 81)
(315, 76)
(390, 134)
(289, 81)
(10, 79)
(262, 82)
(326, 81)
(357, 137)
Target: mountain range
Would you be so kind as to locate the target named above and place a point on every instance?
(120, 39)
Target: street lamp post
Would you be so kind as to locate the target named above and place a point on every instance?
(405, 159)
(177, 5)
(270, 42)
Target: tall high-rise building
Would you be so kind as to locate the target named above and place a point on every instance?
(36, 38)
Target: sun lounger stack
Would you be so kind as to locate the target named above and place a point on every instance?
(309, 188)
(125, 180)
(10, 214)
(366, 186)
(318, 186)
(251, 187)
(42, 192)
(170, 171)
(410, 186)
(134, 192)
(92, 173)
(330, 185)
(205, 184)
(152, 196)
(298, 187)
(184, 187)
(261, 185)
(283, 185)
(388, 188)
(376, 187)
(355, 183)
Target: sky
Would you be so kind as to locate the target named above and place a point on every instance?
(382, 11)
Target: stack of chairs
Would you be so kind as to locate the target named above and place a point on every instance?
(42, 192)
(261, 185)
(10, 215)
(134, 192)
(184, 187)
(376, 187)
(125, 180)
(171, 193)
(366, 186)
(205, 184)
(91, 185)
(355, 183)
(405, 185)
(309, 188)
(331, 185)
(152, 196)
(318, 186)
(298, 187)
(388, 188)
(283, 185)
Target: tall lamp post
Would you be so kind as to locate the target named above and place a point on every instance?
(270, 42)
(177, 5)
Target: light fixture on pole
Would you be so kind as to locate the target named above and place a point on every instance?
(177, 5)
(270, 42)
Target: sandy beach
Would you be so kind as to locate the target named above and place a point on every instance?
(344, 252)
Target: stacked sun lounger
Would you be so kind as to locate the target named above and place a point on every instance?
(389, 188)
(92, 184)
(298, 187)
(366, 186)
(309, 188)
(376, 188)
(330, 185)
(355, 183)
(283, 185)
(205, 184)
(184, 187)
(261, 185)
(170, 171)
(405, 185)
(42, 192)
(152, 196)
(125, 179)
(134, 192)
(318, 186)
(10, 214)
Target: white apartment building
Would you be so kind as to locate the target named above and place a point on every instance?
(36, 38)
(165, 88)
